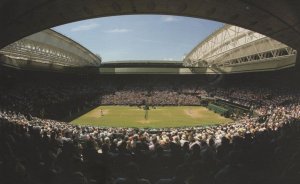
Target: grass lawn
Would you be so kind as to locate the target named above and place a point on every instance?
(167, 116)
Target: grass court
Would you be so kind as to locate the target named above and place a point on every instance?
(159, 117)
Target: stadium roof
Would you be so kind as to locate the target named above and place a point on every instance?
(134, 63)
(230, 49)
(276, 19)
(47, 48)
(235, 48)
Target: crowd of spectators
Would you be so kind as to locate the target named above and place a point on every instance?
(157, 98)
(59, 99)
(45, 99)
(35, 149)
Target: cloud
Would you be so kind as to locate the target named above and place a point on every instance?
(169, 18)
(168, 59)
(118, 30)
(85, 27)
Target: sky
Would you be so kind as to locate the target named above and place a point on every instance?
(140, 37)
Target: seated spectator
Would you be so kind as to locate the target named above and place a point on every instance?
(132, 176)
